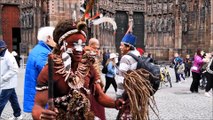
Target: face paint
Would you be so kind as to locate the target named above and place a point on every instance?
(64, 47)
(79, 45)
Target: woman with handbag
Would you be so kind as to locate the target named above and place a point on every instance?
(111, 72)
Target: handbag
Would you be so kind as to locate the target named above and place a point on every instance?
(104, 69)
(194, 68)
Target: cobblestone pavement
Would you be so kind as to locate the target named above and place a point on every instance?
(175, 103)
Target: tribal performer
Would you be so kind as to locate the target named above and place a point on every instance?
(76, 84)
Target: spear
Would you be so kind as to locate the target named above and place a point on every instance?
(50, 82)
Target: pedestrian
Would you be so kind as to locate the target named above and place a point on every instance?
(180, 70)
(196, 71)
(188, 65)
(203, 81)
(209, 76)
(150, 58)
(175, 63)
(95, 45)
(133, 108)
(105, 57)
(36, 60)
(111, 72)
(8, 81)
(93, 51)
(75, 81)
(140, 50)
(17, 57)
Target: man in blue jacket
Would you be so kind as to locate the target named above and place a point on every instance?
(35, 62)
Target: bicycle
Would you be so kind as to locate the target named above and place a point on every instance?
(165, 76)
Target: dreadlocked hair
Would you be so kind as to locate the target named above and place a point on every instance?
(138, 88)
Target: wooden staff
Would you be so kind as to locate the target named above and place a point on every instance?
(50, 82)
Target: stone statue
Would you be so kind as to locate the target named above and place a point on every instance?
(170, 23)
(149, 1)
(183, 7)
(159, 23)
(149, 27)
(170, 7)
(153, 25)
(155, 1)
(31, 19)
(149, 9)
(159, 8)
(27, 20)
(164, 24)
(164, 8)
(154, 8)
(22, 19)
(184, 21)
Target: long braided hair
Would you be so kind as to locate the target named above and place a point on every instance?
(138, 88)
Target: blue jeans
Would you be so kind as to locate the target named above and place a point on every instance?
(10, 94)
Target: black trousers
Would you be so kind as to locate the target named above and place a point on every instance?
(176, 75)
(209, 84)
(195, 82)
(187, 72)
(110, 81)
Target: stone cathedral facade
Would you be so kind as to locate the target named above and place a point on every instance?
(162, 27)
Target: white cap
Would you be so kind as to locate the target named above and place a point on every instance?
(113, 55)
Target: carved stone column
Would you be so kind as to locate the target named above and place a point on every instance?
(178, 28)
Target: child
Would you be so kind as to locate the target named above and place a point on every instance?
(181, 69)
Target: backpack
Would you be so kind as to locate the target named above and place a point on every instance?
(104, 69)
(153, 69)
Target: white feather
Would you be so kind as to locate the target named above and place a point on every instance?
(105, 19)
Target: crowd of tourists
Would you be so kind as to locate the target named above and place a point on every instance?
(201, 67)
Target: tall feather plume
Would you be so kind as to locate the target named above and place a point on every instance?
(105, 19)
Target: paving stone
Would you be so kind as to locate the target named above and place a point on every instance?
(175, 103)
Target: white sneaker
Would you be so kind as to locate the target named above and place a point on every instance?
(1, 118)
(207, 94)
(16, 118)
(179, 82)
